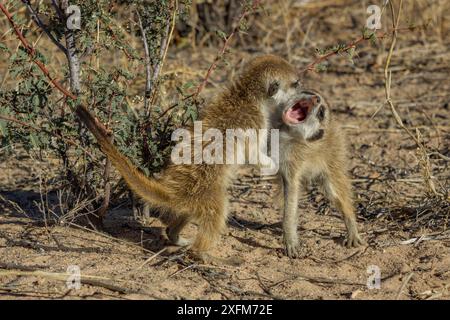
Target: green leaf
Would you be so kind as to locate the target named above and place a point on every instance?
(3, 128)
(221, 34)
(34, 141)
(35, 101)
(321, 67)
(188, 85)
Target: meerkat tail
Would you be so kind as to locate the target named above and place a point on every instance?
(145, 187)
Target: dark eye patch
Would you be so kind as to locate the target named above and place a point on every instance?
(296, 84)
(321, 113)
(273, 88)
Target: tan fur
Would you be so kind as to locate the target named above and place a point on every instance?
(199, 192)
(323, 159)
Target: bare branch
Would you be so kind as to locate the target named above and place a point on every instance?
(387, 88)
(41, 25)
(58, 10)
(72, 55)
(245, 12)
(148, 71)
(32, 53)
(165, 41)
(352, 45)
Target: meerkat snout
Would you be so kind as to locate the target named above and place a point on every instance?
(306, 116)
(307, 104)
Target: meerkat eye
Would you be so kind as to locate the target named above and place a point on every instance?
(273, 88)
(296, 84)
(321, 113)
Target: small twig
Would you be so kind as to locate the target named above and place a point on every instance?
(181, 270)
(148, 71)
(110, 237)
(72, 54)
(152, 257)
(176, 104)
(388, 75)
(165, 41)
(107, 187)
(58, 10)
(405, 282)
(32, 53)
(267, 289)
(43, 208)
(387, 88)
(324, 280)
(41, 25)
(18, 270)
(241, 292)
(352, 45)
(15, 206)
(245, 12)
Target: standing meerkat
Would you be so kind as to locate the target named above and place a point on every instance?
(198, 192)
(312, 147)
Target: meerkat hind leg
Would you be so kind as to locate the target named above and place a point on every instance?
(174, 229)
(338, 189)
(209, 231)
(293, 249)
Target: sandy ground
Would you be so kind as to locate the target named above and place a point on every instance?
(328, 271)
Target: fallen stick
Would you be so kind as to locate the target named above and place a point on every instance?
(405, 282)
(10, 269)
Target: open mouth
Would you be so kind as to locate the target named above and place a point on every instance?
(299, 111)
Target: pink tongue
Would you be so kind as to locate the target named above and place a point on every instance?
(295, 115)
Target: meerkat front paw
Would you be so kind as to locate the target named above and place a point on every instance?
(354, 240)
(293, 248)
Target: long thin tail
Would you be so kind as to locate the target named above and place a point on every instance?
(145, 187)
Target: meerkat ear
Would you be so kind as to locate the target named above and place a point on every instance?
(273, 88)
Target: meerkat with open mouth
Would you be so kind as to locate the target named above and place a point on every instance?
(312, 147)
(198, 192)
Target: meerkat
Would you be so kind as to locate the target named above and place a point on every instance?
(198, 192)
(312, 147)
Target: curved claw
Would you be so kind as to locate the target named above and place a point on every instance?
(292, 250)
(354, 241)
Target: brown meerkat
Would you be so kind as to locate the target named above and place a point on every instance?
(312, 147)
(198, 192)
